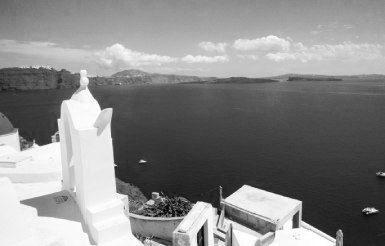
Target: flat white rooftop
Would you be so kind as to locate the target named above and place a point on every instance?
(7, 150)
(300, 237)
(38, 164)
(262, 203)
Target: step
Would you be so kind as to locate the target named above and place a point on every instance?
(105, 211)
(123, 241)
(110, 229)
(224, 228)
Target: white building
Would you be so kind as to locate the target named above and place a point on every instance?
(9, 135)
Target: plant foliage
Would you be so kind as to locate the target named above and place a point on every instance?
(167, 207)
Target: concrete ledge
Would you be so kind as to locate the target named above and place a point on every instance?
(199, 220)
(258, 223)
(11, 139)
(154, 226)
(318, 232)
(15, 130)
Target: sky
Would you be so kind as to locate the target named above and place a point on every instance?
(253, 38)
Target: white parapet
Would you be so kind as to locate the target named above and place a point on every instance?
(88, 166)
(196, 226)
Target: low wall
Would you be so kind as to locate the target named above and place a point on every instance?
(11, 139)
(262, 225)
(154, 226)
(267, 239)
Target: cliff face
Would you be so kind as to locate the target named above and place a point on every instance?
(44, 78)
(36, 78)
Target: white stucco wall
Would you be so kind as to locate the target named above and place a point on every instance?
(154, 227)
(11, 139)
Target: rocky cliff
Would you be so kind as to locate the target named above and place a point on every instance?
(36, 78)
(49, 78)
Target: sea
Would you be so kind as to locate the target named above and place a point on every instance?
(319, 142)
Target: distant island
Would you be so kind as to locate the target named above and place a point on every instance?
(235, 80)
(314, 79)
(318, 77)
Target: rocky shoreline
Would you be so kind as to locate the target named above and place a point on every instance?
(135, 195)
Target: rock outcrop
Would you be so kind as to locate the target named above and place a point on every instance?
(36, 78)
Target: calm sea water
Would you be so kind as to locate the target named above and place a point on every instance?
(319, 142)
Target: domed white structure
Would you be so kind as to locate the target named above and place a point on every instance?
(9, 135)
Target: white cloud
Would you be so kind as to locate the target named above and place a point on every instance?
(183, 70)
(43, 49)
(251, 57)
(209, 46)
(280, 56)
(285, 49)
(205, 59)
(347, 51)
(348, 26)
(268, 43)
(118, 55)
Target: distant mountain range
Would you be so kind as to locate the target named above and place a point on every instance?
(30, 78)
(318, 77)
(138, 76)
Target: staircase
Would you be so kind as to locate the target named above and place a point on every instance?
(109, 225)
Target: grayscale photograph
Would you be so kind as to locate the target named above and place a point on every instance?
(192, 123)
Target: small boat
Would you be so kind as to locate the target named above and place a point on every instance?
(370, 210)
(142, 161)
(380, 174)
